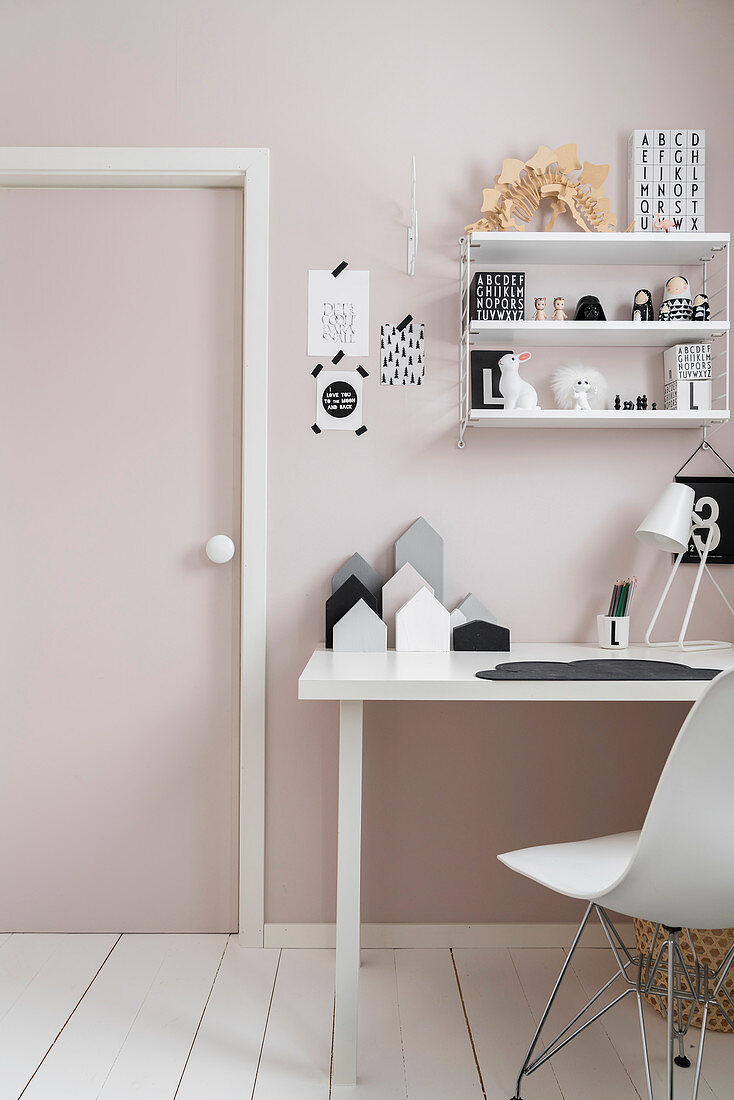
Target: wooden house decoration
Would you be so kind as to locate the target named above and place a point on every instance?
(422, 547)
(360, 630)
(422, 625)
(396, 592)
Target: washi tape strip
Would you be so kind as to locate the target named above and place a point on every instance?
(338, 357)
(405, 321)
(317, 370)
(316, 429)
(362, 430)
(363, 372)
(338, 270)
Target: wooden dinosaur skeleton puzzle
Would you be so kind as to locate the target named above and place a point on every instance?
(553, 174)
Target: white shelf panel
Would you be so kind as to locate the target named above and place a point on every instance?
(593, 333)
(670, 249)
(563, 418)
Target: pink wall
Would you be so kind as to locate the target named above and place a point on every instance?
(343, 94)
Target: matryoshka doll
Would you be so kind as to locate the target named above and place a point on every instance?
(677, 297)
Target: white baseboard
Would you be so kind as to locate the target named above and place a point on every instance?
(443, 935)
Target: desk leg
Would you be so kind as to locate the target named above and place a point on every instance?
(347, 892)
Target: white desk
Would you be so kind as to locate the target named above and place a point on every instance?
(352, 678)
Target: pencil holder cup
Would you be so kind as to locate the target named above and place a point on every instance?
(614, 631)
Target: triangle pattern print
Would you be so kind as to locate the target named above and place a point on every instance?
(402, 355)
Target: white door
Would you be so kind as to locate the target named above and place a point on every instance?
(120, 353)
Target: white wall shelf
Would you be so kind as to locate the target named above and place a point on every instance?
(629, 249)
(594, 334)
(672, 251)
(563, 418)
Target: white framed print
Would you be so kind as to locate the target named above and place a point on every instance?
(338, 313)
(339, 400)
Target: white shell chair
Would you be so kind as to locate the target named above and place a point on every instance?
(678, 871)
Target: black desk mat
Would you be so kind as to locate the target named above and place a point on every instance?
(609, 669)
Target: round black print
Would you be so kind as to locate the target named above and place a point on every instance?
(339, 399)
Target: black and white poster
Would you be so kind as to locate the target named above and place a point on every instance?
(721, 491)
(498, 296)
(402, 354)
(339, 400)
(485, 380)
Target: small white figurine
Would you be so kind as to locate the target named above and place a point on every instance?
(577, 387)
(518, 393)
(558, 314)
(540, 314)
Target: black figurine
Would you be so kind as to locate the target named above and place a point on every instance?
(654, 405)
(642, 309)
(639, 403)
(589, 309)
(701, 308)
(617, 403)
(644, 402)
(627, 406)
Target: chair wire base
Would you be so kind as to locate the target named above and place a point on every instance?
(640, 974)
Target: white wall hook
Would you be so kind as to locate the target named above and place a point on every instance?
(413, 227)
(220, 549)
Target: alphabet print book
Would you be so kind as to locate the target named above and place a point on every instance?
(338, 313)
(402, 354)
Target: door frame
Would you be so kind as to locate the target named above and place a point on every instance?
(246, 170)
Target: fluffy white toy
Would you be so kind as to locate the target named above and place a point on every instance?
(580, 388)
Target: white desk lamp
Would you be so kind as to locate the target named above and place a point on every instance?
(670, 525)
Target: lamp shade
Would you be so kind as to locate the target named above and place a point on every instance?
(667, 525)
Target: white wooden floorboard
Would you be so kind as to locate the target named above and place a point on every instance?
(589, 1066)
(621, 1025)
(501, 1024)
(225, 1055)
(439, 1062)
(297, 1049)
(42, 978)
(718, 1064)
(132, 1033)
(381, 1074)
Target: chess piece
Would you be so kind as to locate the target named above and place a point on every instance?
(677, 296)
(589, 309)
(644, 402)
(642, 309)
(518, 393)
(638, 403)
(558, 314)
(617, 403)
(540, 314)
(654, 405)
(701, 308)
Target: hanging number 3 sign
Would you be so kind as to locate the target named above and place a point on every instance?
(339, 400)
(714, 504)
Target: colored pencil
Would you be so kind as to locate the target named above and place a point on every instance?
(613, 601)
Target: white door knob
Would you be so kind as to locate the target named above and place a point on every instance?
(220, 549)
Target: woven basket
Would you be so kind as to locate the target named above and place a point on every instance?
(711, 947)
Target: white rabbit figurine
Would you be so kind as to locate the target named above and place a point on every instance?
(518, 393)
